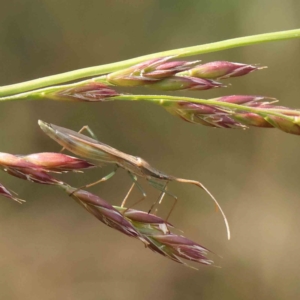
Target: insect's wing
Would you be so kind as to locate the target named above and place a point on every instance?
(85, 146)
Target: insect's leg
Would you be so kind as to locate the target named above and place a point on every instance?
(89, 130)
(172, 208)
(105, 178)
(135, 183)
(163, 189)
(127, 195)
(162, 195)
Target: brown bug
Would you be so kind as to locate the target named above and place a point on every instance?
(87, 147)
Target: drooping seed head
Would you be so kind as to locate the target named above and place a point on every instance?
(221, 70)
(104, 212)
(152, 230)
(90, 92)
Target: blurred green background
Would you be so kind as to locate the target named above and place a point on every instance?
(52, 249)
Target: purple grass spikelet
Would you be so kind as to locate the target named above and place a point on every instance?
(149, 71)
(9, 194)
(57, 162)
(146, 223)
(177, 247)
(251, 120)
(103, 211)
(161, 240)
(90, 92)
(178, 83)
(247, 111)
(221, 70)
(206, 115)
(247, 99)
(285, 125)
(18, 167)
(33, 175)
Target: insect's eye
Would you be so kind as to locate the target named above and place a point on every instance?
(139, 161)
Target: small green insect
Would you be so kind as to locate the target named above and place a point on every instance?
(90, 148)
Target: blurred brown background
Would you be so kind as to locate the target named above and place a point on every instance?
(50, 248)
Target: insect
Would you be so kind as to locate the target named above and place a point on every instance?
(90, 148)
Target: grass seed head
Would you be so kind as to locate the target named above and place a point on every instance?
(149, 72)
(146, 223)
(103, 211)
(157, 232)
(178, 83)
(18, 167)
(222, 70)
(264, 113)
(90, 92)
(178, 247)
(284, 124)
(33, 175)
(152, 230)
(57, 162)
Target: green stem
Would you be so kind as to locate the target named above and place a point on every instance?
(182, 52)
(164, 100)
(40, 94)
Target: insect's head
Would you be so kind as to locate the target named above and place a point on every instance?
(48, 129)
(60, 135)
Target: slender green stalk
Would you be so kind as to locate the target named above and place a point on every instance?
(40, 94)
(182, 52)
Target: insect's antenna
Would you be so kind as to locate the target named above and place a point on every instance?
(211, 196)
